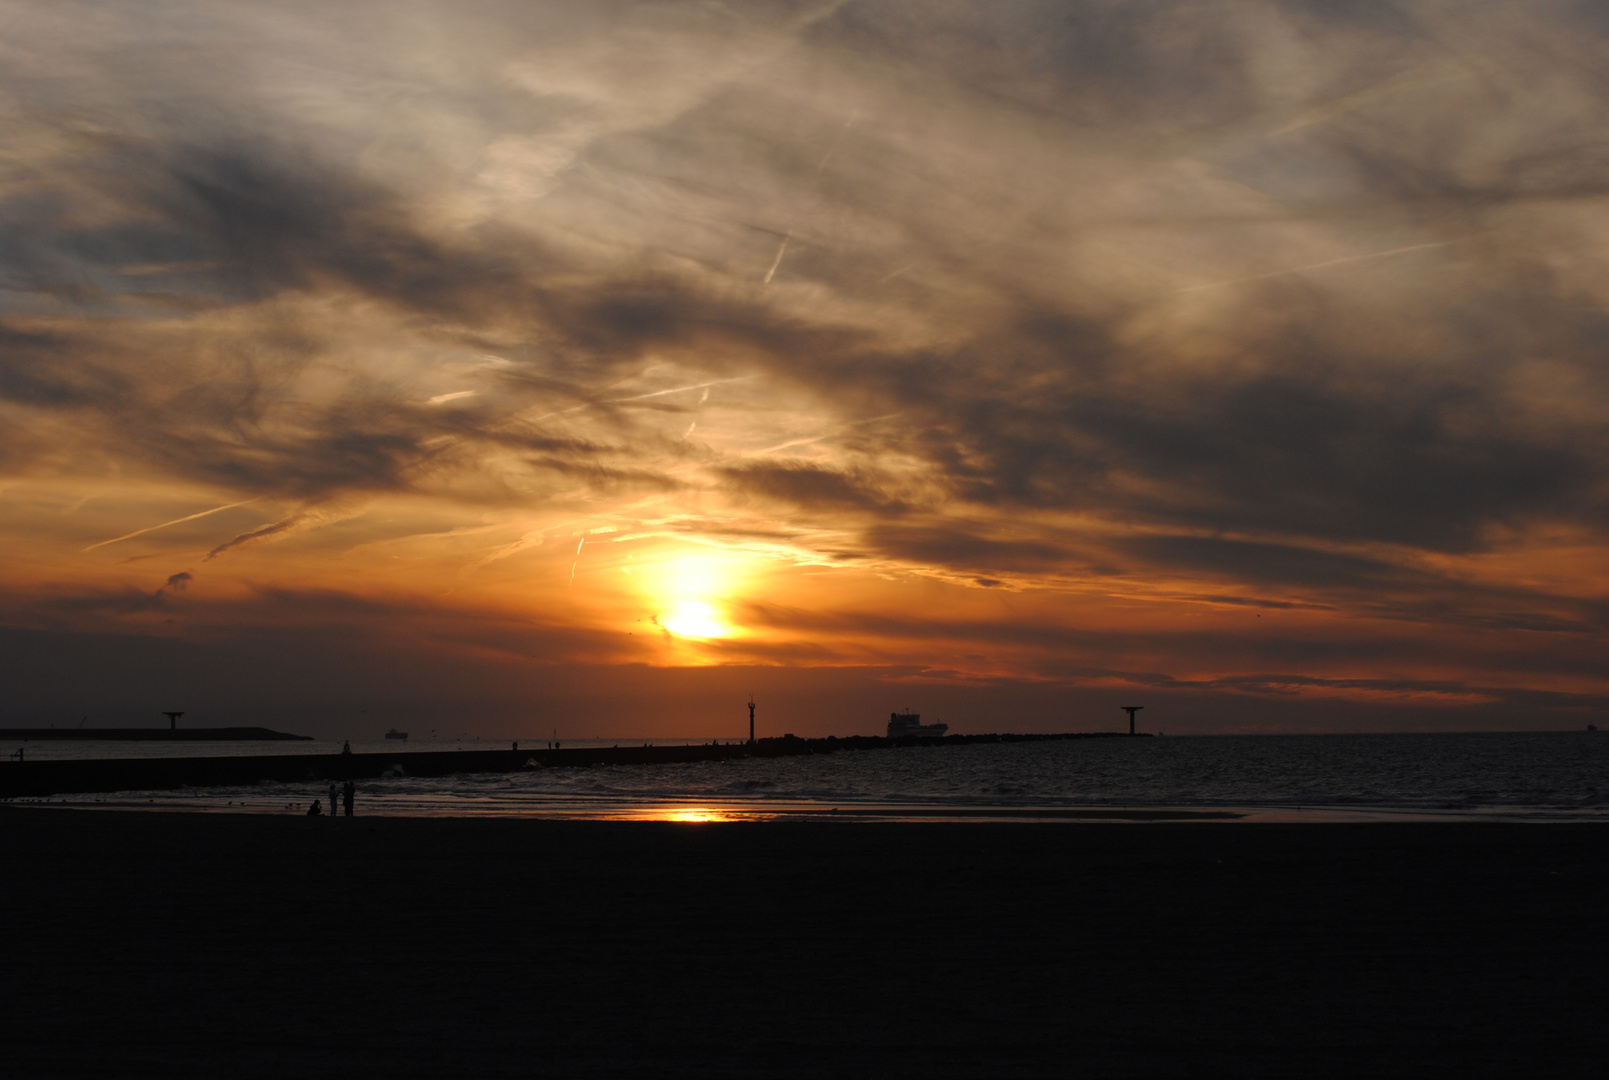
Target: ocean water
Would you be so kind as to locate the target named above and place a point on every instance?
(1541, 776)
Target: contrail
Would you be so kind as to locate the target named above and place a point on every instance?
(818, 438)
(165, 524)
(1316, 266)
(531, 539)
(769, 274)
(679, 389)
(786, 445)
(1412, 80)
(577, 560)
(822, 164)
(640, 397)
(782, 249)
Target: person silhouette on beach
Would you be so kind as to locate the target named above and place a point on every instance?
(314, 809)
(348, 794)
(332, 800)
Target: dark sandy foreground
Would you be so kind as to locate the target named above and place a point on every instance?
(230, 946)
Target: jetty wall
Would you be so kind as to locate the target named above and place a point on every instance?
(219, 734)
(38, 778)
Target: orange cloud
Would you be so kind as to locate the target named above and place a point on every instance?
(1059, 351)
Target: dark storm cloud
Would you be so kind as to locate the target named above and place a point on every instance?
(1264, 563)
(809, 486)
(32, 373)
(964, 548)
(1310, 444)
(276, 223)
(1427, 465)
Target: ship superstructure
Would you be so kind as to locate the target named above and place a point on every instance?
(904, 725)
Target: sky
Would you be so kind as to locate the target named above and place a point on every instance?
(514, 368)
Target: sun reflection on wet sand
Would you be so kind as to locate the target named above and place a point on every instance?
(699, 814)
(685, 813)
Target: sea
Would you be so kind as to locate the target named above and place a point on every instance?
(1537, 776)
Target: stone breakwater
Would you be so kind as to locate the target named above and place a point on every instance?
(39, 778)
(225, 734)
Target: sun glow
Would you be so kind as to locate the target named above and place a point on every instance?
(689, 594)
(695, 619)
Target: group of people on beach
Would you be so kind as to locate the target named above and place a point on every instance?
(346, 793)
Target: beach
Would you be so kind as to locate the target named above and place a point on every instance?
(158, 944)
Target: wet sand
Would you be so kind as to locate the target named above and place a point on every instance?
(242, 946)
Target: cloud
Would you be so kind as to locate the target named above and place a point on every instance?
(954, 545)
(807, 485)
(1287, 304)
(267, 532)
(1261, 563)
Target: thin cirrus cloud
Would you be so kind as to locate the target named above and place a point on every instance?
(1140, 312)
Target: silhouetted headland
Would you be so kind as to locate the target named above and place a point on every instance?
(32, 778)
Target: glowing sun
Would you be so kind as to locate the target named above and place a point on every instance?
(689, 594)
(695, 619)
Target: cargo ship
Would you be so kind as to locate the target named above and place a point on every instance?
(903, 725)
(395, 734)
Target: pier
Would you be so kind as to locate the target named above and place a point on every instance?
(167, 734)
(40, 778)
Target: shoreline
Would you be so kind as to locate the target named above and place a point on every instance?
(562, 808)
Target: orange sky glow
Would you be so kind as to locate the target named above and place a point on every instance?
(592, 367)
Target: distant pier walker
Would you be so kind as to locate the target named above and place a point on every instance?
(905, 724)
(1131, 710)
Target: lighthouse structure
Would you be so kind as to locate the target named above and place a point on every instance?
(751, 719)
(1131, 710)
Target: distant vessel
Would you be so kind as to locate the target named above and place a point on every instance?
(902, 725)
(395, 734)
